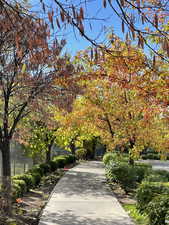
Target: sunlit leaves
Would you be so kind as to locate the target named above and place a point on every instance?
(121, 96)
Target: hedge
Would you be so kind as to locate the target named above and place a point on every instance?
(158, 209)
(22, 183)
(147, 191)
(126, 175)
(81, 154)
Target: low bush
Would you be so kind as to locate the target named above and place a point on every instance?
(45, 167)
(16, 191)
(144, 165)
(163, 173)
(23, 183)
(19, 188)
(123, 174)
(158, 210)
(139, 219)
(142, 170)
(157, 176)
(70, 159)
(109, 156)
(61, 161)
(53, 165)
(37, 169)
(126, 175)
(115, 158)
(147, 191)
(81, 154)
(36, 177)
(151, 156)
(28, 178)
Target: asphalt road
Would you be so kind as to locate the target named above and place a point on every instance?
(158, 164)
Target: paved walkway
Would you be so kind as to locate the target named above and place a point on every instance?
(82, 197)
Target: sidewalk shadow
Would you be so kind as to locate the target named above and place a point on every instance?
(69, 219)
(82, 184)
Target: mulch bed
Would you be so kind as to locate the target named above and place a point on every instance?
(120, 194)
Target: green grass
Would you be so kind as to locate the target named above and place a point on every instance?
(138, 218)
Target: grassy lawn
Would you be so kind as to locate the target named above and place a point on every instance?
(138, 218)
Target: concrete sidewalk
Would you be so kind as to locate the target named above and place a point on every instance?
(82, 197)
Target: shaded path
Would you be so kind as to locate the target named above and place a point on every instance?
(82, 197)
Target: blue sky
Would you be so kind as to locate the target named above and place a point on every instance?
(94, 8)
(98, 31)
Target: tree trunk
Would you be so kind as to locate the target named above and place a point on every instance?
(94, 143)
(48, 153)
(6, 159)
(131, 160)
(6, 176)
(73, 150)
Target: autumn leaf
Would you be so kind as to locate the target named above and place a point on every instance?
(23, 68)
(81, 13)
(62, 15)
(104, 3)
(58, 24)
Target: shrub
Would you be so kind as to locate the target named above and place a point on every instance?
(36, 177)
(126, 175)
(109, 156)
(142, 169)
(37, 169)
(147, 191)
(16, 191)
(45, 167)
(158, 209)
(62, 160)
(151, 156)
(53, 165)
(157, 176)
(28, 178)
(70, 159)
(19, 188)
(81, 154)
(163, 173)
(22, 183)
(115, 158)
(145, 165)
(123, 174)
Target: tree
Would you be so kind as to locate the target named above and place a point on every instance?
(74, 127)
(141, 21)
(29, 69)
(118, 97)
(38, 144)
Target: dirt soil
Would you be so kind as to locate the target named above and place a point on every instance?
(27, 210)
(121, 195)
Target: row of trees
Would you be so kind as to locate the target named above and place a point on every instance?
(122, 95)
(124, 102)
(32, 71)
